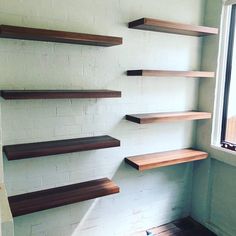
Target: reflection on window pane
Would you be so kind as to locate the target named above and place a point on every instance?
(231, 115)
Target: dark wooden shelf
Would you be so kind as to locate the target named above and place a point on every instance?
(15, 32)
(58, 94)
(172, 27)
(155, 160)
(167, 116)
(41, 200)
(169, 73)
(31, 150)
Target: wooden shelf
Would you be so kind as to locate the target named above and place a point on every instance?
(58, 94)
(30, 150)
(172, 27)
(155, 160)
(167, 116)
(41, 200)
(15, 32)
(169, 73)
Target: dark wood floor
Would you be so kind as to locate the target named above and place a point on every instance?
(183, 227)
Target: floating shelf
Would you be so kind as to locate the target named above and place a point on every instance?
(172, 27)
(58, 94)
(155, 160)
(42, 200)
(15, 32)
(30, 150)
(169, 73)
(167, 116)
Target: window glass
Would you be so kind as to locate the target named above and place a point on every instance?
(228, 136)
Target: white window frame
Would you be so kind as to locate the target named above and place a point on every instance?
(220, 76)
(229, 2)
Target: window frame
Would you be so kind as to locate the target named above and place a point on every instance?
(220, 76)
(231, 37)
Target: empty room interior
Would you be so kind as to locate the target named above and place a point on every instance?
(118, 118)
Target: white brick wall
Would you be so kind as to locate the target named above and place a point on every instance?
(146, 199)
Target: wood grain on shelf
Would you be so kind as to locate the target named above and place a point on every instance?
(155, 160)
(31, 150)
(169, 73)
(172, 27)
(167, 117)
(58, 94)
(45, 199)
(16, 32)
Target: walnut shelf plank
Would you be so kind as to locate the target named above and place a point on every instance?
(167, 117)
(155, 160)
(15, 32)
(32, 150)
(46, 199)
(168, 73)
(172, 27)
(58, 94)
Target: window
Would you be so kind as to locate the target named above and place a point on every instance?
(228, 132)
(224, 123)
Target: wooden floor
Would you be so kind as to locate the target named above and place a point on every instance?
(183, 227)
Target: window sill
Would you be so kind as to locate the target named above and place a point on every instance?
(224, 155)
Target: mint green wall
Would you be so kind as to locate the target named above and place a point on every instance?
(214, 185)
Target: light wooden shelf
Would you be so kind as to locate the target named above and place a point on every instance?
(155, 160)
(16, 32)
(33, 150)
(42, 200)
(167, 117)
(58, 94)
(172, 27)
(169, 73)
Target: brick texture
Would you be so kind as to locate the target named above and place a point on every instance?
(147, 199)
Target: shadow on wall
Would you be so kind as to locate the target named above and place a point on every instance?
(146, 199)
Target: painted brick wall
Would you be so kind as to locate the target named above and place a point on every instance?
(146, 199)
